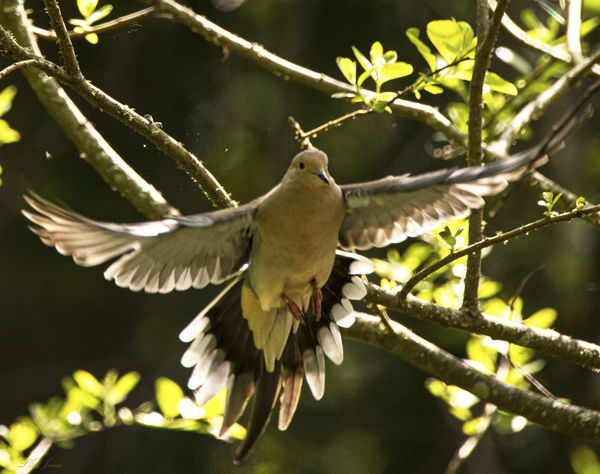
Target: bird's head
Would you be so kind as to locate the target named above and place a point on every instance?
(309, 167)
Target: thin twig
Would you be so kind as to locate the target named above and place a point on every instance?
(538, 105)
(13, 67)
(574, 31)
(64, 42)
(126, 115)
(489, 241)
(100, 27)
(536, 44)
(35, 456)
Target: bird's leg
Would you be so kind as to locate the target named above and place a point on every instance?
(293, 307)
(315, 301)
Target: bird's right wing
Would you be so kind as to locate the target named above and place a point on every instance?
(156, 256)
(390, 209)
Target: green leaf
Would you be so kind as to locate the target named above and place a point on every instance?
(386, 97)
(168, 396)
(88, 383)
(413, 36)
(121, 389)
(86, 7)
(496, 83)
(8, 134)
(475, 426)
(348, 68)
(489, 288)
(363, 61)
(584, 461)
(390, 56)
(433, 89)
(22, 435)
(102, 12)
(377, 54)
(6, 98)
(82, 24)
(92, 38)
(364, 76)
(453, 39)
(394, 71)
(482, 354)
(544, 318)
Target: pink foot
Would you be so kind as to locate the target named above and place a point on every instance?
(293, 307)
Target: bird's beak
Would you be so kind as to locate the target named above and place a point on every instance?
(323, 176)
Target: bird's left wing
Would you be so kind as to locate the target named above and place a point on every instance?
(156, 256)
(393, 208)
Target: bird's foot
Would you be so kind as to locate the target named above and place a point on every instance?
(315, 301)
(293, 307)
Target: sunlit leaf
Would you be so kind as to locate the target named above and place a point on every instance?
(495, 82)
(394, 71)
(475, 426)
(377, 54)
(585, 461)
(484, 355)
(413, 36)
(102, 12)
(86, 7)
(121, 389)
(390, 56)
(544, 318)
(168, 396)
(22, 435)
(7, 133)
(489, 288)
(364, 62)
(6, 99)
(348, 68)
(88, 383)
(92, 38)
(453, 39)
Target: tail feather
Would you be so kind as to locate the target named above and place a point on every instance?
(222, 342)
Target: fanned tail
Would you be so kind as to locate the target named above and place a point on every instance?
(223, 353)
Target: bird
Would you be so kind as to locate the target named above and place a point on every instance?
(289, 263)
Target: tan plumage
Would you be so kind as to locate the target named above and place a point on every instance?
(290, 288)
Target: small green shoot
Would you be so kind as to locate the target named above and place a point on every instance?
(548, 202)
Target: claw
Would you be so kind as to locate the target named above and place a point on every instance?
(293, 307)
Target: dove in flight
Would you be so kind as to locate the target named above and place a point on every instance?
(290, 271)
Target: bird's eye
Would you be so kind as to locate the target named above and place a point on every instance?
(301, 165)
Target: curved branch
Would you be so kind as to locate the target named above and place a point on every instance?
(553, 414)
(91, 145)
(544, 340)
(126, 115)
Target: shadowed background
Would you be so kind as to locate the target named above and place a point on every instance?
(376, 416)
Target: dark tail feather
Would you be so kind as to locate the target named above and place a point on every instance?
(267, 389)
(221, 327)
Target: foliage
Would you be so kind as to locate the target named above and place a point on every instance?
(91, 14)
(91, 405)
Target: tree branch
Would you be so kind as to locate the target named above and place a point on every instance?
(142, 125)
(489, 241)
(100, 27)
(91, 145)
(64, 42)
(487, 33)
(538, 105)
(555, 415)
(574, 31)
(544, 340)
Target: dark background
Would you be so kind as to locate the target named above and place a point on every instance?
(376, 416)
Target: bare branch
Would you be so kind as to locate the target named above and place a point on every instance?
(545, 340)
(91, 145)
(538, 105)
(64, 42)
(13, 67)
(574, 31)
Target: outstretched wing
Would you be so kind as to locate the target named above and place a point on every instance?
(393, 208)
(156, 256)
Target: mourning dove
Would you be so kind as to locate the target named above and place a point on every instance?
(290, 284)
